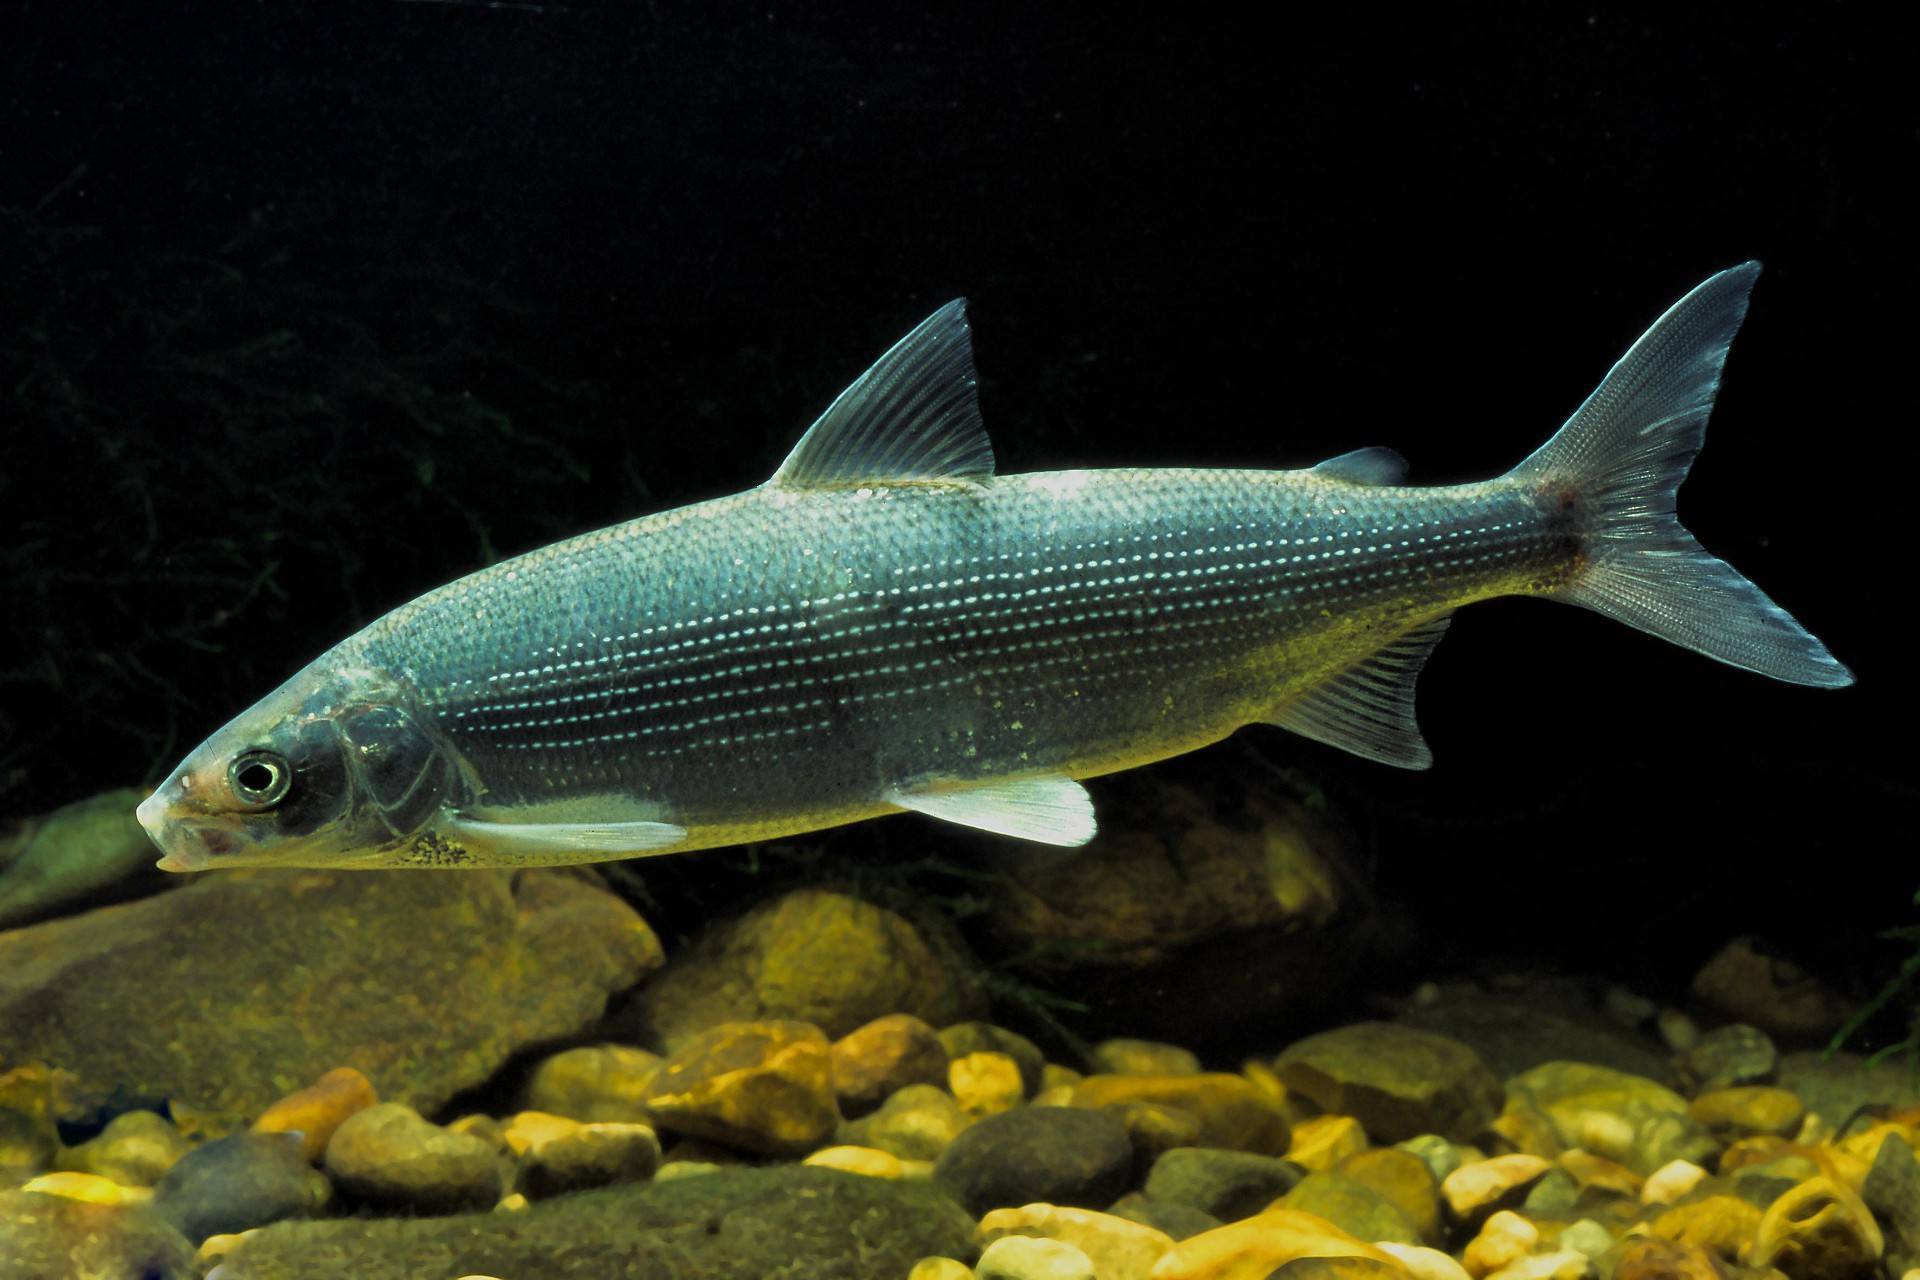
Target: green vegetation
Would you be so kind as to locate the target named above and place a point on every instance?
(1905, 982)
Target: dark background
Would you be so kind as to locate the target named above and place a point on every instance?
(308, 308)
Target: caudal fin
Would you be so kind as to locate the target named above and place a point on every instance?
(1624, 453)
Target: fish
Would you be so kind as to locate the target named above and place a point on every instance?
(889, 625)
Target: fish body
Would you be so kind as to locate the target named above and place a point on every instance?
(888, 625)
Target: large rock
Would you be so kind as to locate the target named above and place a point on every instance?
(73, 853)
(227, 993)
(798, 1223)
(1397, 1081)
(53, 1236)
(1059, 1155)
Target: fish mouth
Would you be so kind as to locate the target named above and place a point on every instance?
(187, 843)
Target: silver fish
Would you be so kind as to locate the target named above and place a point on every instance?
(887, 625)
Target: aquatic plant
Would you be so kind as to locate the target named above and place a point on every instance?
(1904, 981)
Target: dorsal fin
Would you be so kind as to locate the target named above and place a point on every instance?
(1375, 465)
(1368, 708)
(914, 416)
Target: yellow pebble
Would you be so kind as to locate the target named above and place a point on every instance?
(88, 1187)
(869, 1162)
(1324, 1141)
(530, 1129)
(985, 1083)
(940, 1269)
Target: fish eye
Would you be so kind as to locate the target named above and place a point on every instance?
(259, 779)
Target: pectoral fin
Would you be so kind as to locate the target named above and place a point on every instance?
(1047, 810)
(491, 843)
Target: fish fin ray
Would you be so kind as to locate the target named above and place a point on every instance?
(1051, 809)
(560, 843)
(913, 417)
(1376, 465)
(1625, 452)
(1368, 708)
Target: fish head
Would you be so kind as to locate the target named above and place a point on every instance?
(338, 767)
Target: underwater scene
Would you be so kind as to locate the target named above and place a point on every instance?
(887, 643)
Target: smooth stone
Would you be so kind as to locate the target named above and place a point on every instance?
(1119, 1249)
(1748, 1109)
(1124, 1057)
(1504, 1238)
(1588, 1236)
(1560, 1264)
(885, 1055)
(90, 1187)
(760, 1086)
(1597, 1173)
(818, 956)
(1440, 1155)
(135, 1149)
(240, 1181)
(1254, 1248)
(1405, 1180)
(1671, 1181)
(1721, 1224)
(523, 1131)
(1677, 1031)
(1057, 1154)
(596, 1082)
(1836, 1086)
(1554, 1195)
(1645, 1258)
(317, 1110)
(1353, 1206)
(784, 1220)
(940, 1269)
(1397, 1081)
(1155, 1129)
(985, 1083)
(1232, 1113)
(29, 1137)
(1623, 1117)
(915, 1123)
(1517, 1020)
(64, 856)
(1626, 1006)
(1742, 983)
(389, 1155)
(1423, 1263)
(963, 1038)
(1726, 1057)
(1224, 1184)
(1473, 1191)
(597, 1154)
(1055, 1076)
(157, 997)
(1324, 1141)
(1030, 1258)
(1820, 1230)
(1892, 1190)
(1177, 1220)
(868, 1162)
(1340, 1269)
(50, 1236)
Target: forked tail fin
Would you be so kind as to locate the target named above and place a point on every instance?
(1624, 453)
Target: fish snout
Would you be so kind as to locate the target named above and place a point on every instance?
(187, 843)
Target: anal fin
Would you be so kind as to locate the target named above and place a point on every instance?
(1050, 809)
(1368, 708)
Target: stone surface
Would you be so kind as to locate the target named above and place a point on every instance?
(1671, 1181)
(1423, 1263)
(1480, 1187)
(1030, 1258)
(1744, 1109)
(72, 853)
(916, 1123)
(135, 1149)
(760, 1086)
(881, 1056)
(1517, 1021)
(159, 997)
(1649, 1259)
(1177, 1220)
(870, 1162)
(1742, 982)
(940, 1269)
(1155, 1129)
(50, 1236)
(1232, 1113)
(793, 1222)
(389, 1155)
(1892, 1190)
(317, 1110)
(1504, 1238)
(1060, 1155)
(1405, 1180)
(809, 955)
(1724, 1057)
(963, 1038)
(1838, 1085)
(238, 1182)
(1396, 1081)
(1623, 1117)
(1721, 1224)
(1322, 1142)
(985, 1084)
(1353, 1206)
(597, 1082)
(1224, 1184)
(596, 1154)
(1127, 1057)
(1254, 1248)
(1119, 1249)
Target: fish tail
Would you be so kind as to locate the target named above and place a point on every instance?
(1612, 472)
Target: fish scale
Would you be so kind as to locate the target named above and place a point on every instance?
(888, 624)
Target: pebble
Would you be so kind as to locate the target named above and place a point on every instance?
(1473, 1191)
(317, 1110)
(1671, 1181)
(1892, 1190)
(868, 1162)
(1225, 1184)
(1123, 1057)
(1255, 1247)
(1397, 1081)
(1403, 1179)
(1232, 1113)
(1504, 1238)
(1744, 984)
(761, 1086)
(1677, 1031)
(1748, 1109)
(1353, 1206)
(963, 1038)
(89, 1188)
(1423, 1263)
(1820, 1230)
(598, 1154)
(1588, 1236)
(1735, 1054)
(28, 1137)
(597, 1082)
(940, 1269)
(1057, 1154)
(1554, 1195)
(1626, 1006)
(1651, 1259)
(524, 1130)
(1324, 1141)
(885, 1055)
(240, 1181)
(915, 1123)
(135, 1149)
(1119, 1249)
(1560, 1264)
(1178, 1220)
(1030, 1258)
(985, 1083)
(1721, 1224)
(1155, 1129)
(389, 1155)
(1624, 1117)
(1439, 1155)
(1599, 1173)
